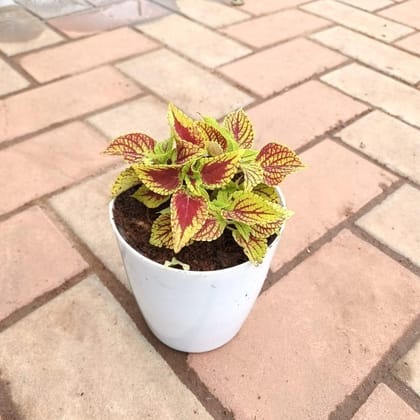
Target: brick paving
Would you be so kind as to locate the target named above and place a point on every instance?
(336, 332)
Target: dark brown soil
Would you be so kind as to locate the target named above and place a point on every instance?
(134, 222)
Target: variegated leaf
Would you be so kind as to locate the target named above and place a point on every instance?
(217, 171)
(267, 192)
(253, 175)
(252, 209)
(161, 235)
(277, 162)
(162, 179)
(149, 198)
(125, 180)
(188, 215)
(194, 185)
(240, 126)
(212, 134)
(131, 146)
(163, 151)
(243, 229)
(211, 230)
(268, 229)
(254, 248)
(186, 151)
(184, 127)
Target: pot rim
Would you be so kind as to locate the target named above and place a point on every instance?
(120, 237)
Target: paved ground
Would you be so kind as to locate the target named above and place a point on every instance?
(334, 333)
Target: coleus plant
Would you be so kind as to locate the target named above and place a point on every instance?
(211, 179)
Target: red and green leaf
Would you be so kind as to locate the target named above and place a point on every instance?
(194, 184)
(131, 146)
(253, 175)
(240, 126)
(212, 134)
(149, 198)
(162, 179)
(211, 230)
(219, 170)
(186, 151)
(161, 235)
(125, 180)
(252, 209)
(267, 192)
(254, 248)
(268, 229)
(184, 127)
(277, 162)
(188, 215)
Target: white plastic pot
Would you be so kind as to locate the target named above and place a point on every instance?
(193, 311)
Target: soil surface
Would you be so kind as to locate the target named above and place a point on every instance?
(134, 222)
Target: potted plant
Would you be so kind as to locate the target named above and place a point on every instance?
(202, 199)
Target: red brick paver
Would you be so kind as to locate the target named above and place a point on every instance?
(87, 53)
(385, 405)
(270, 29)
(411, 43)
(298, 120)
(36, 258)
(62, 100)
(315, 335)
(276, 68)
(407, 13)
(340, 312)
(262, 7)
(368, 23)
(48, 162)
(329, 194)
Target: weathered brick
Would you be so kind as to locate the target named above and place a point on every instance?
(407, 369)
(193, 40)
(336, 184)
(385, 405)
(294, 120)
(369, 5)
(270, 29)
(85, 209)
(211, 13)
(81, 55)
(407, 13)
(59, 101)
(86, 342)
(367, 23)
(411, 43)
(376, 54)
(262, 74)
(200, 91)
(385, 93)
(387, 140)
(144, 115)
(394, 222)
(257, 7)
(45, 163)
(10, 79)
(36, 258)
(329, 318)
